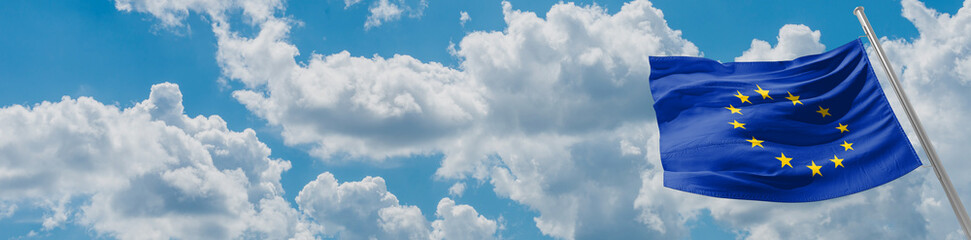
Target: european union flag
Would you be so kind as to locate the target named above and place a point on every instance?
(810, 129)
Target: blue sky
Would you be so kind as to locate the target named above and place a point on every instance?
(81, 48)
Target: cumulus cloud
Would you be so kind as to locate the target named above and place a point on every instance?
(172, 13)
(150, 171)
(258, 60)
(382, 11)
(794, 40)
(355, 209)
(555, 76)
(464, 17)
(461, 222)
(147, 171)
(933, 71)
(366, 210)
(371, 107)
(544, 142)
(457, 189)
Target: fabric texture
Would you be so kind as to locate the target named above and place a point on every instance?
(810, 129)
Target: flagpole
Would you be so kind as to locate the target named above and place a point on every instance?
(952, 195)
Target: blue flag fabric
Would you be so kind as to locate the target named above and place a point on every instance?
(810, 129)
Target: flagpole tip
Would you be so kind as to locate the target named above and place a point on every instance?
(858, 9)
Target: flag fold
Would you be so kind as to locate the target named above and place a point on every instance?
(810, 129)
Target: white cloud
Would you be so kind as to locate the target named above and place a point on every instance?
(556, 76)
(147, 171)
(544, 142)
(403, 222)
(580, 185)
(172, 13)
(457, 189)
(464, 17)
(794, 40)
(371, 107)
(461, 222)
(382, 11)
(150, 171)
(366, 210)
(349, 3)
(932, 69)
(351, 208)
(256, 61)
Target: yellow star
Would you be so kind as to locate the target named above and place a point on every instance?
(765, 93)
(815, 169)
(824, 111)
(737, 124)
(847, 146)
(837, 161)
(794, 99)
(733, 109)
(755, 142)
(842, 127)
(785, 160)
(742, 97)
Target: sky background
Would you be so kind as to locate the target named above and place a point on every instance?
(524, 180)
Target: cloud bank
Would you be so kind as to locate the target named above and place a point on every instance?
(147, 171)
(793, 41)
(366, 210)
(151, 172)
(554, 112)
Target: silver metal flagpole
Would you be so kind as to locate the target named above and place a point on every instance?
(925, 142)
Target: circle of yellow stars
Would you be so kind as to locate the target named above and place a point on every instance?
(783, 160)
